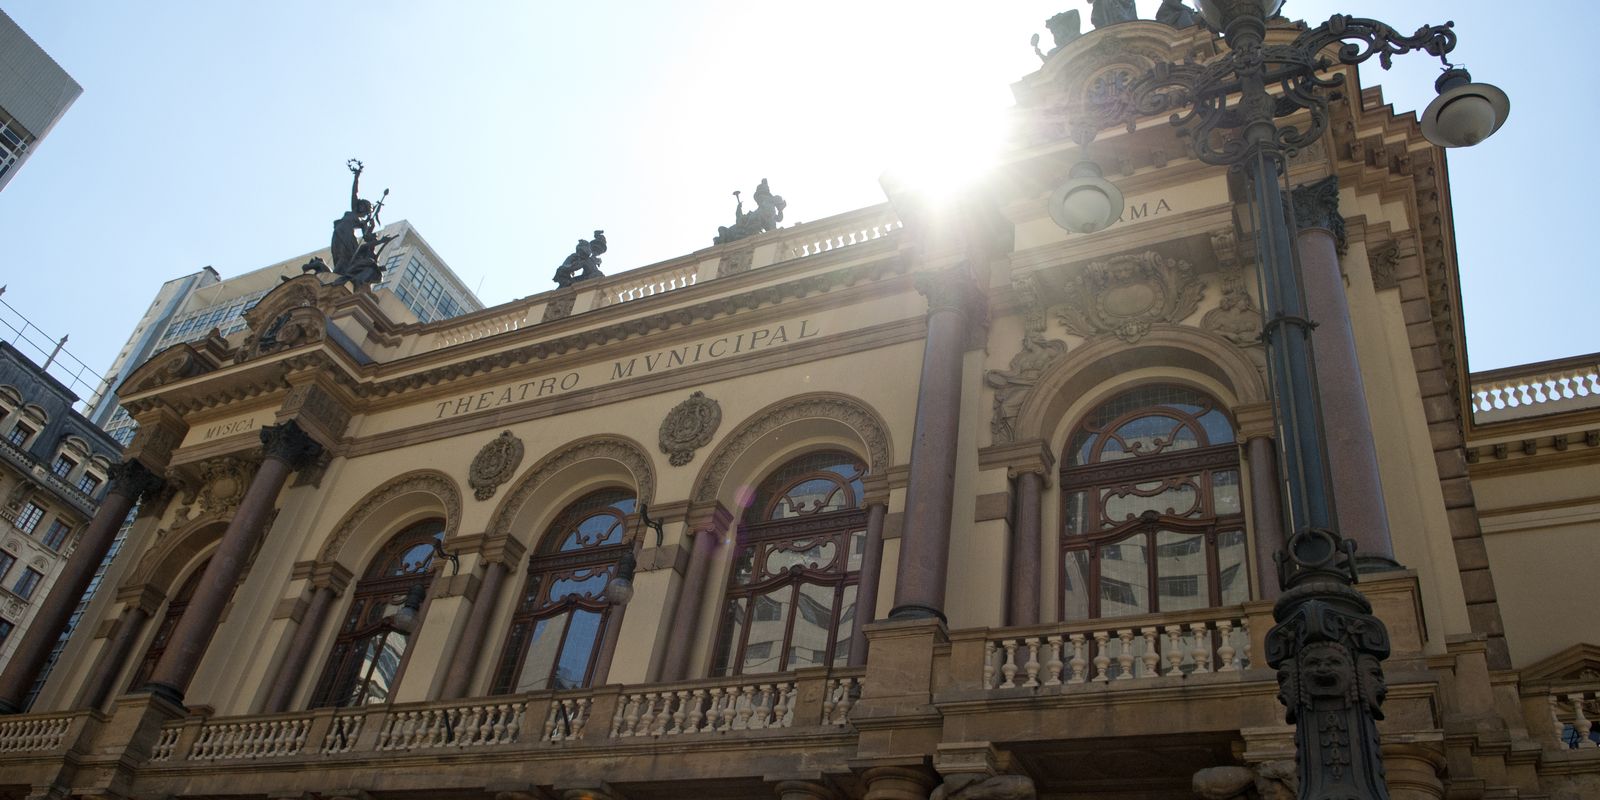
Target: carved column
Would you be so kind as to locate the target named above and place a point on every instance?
(1412, 769)
(141, 604)
(708, 527)
(130, 480)
(871, 568)
(286, 448)
(897, 783)
(953, 304)
(1028, 465)
(328, 581)
(1347, 425)
(1266, 503)
(501, 556)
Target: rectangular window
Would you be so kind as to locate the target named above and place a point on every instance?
(27, 583)
(5, 630)
(56, 535)
(88, 483)
(19, 435)
(29, 517)
(63, 466)
(6, 560)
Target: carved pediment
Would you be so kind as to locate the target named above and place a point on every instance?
(294, 314)
(1580, 662)
(176, 363)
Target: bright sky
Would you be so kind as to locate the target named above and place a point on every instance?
(216, 133)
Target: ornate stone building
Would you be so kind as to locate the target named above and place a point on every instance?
(925, 499)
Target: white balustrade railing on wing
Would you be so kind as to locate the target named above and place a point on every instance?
(1573, 711)
(631, 286)
(567, 719)
(33, 734)
(1563, 387)
(463, 725)
(268, 738)
(166, 741)
(809, 240)
(841, 696)
(519, 317)
(342, 733)
(715, 709)
(1111, 652)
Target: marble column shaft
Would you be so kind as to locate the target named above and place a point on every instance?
(1027, 581)
(286, 447)
(867, 585)
(1266, 511)
(925, 536)
(296, 659)
(1347, 424)
(103, 681)
(458, 679)
(686, 612)
(129, 481)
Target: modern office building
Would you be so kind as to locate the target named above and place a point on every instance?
(189, 308)
(34, 92)
(917, 501)
(54, 469)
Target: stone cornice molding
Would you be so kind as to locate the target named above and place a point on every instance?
(854, 414)
(323, 574)
(622, 450)
(161, 430)
(1018, 458)
(430, 481)
(143, 596)
(319, 411)
(712, 518)
(1254, 421)
(875, 488)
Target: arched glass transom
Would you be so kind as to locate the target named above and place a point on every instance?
(368, 651)
(1151, 509)
(559, 624)
(791, 599)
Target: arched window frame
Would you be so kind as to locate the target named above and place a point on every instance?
(176, 605)
(773, 530)
(369, 650)
(1100, 467)
(578, 561)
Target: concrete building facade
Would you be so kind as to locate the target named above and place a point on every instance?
(34, 92)
(930, 499)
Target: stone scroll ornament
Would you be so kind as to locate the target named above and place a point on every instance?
(688, 427)
(1125, 295)
(494, 465)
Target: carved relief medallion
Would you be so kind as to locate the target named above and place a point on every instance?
(1126, 294)
(223, 482)
(688, 427)
(494, 465)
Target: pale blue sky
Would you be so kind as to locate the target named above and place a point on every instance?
(216, 133)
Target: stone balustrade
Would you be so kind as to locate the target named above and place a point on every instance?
(459, 725)
(717, 709)
(514, 317)
(1530, 390)
(1119, 649)
(267, 738)
(836, 233)
(639, 284)
(34, 734)
(1573, 710)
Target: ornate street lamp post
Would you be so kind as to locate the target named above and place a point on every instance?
(1327, 645)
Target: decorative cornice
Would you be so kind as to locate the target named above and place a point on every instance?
(1254, 420)
(1384, 260)
(1017, 458)
(847, 410)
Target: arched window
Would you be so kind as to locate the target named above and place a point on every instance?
(367, 652)
(169, 621)
(791, 599)
(1151, 517)
(558, 624)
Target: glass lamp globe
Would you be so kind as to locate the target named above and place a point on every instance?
(618, 591)
(1464, 113)
(1087, 202)
(1218, 12)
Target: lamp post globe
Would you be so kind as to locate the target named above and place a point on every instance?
(1464, 113)
(1218, 13)
(1087, 202)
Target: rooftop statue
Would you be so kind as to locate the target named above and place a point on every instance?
(768, 213)
(584, 263)
(1064, 27)
(1111, 12)
(1176, 14)
(355, 257)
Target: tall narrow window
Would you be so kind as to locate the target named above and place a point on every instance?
(791, 599)
(29, 517)
(29, 581)
(556, 630)
(169, 621)
(371, 642)
(1151, 513)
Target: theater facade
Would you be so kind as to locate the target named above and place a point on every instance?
(931, 498)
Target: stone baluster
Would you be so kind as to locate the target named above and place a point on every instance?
(286, 448)
(1053, 668)
(1152, 652)
(1225, 649)
(954, 303)
(130, 481)
(1174, 650)
(1009, 667)
(1125, 655)
(1078, 662)
(1200, 647)
(1102, 656)
(1581, 723)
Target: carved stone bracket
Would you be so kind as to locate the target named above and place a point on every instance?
(495, 463)
(1316, 205)
(1124, 295)
(973, 771)
(316, 411)
(688, 427)
(1384, 259)
(133, 479)
(1011, 386)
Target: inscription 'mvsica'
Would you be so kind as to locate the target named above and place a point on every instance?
(632, 366)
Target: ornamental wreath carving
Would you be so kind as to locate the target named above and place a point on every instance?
(1127, 294)
(688, 427)
(494, 465)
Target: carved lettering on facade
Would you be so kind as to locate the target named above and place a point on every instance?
(229, 428)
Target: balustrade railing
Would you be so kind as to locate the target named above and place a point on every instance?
(827, 235)
(715, 709)
(644, 283)
(568, 718)
(343, 730)
(1102, 651)
(517, 316)
(1532, 390)
(33, 734)
(166, 741)
(464, 725)
(1573, 711)
(268, 738)
(841, 695)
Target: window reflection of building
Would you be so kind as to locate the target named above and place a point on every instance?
(367, 654)
(792, 593)
(1151, 510)
(556, 630)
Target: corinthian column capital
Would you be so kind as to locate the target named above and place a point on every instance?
(290, 444)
